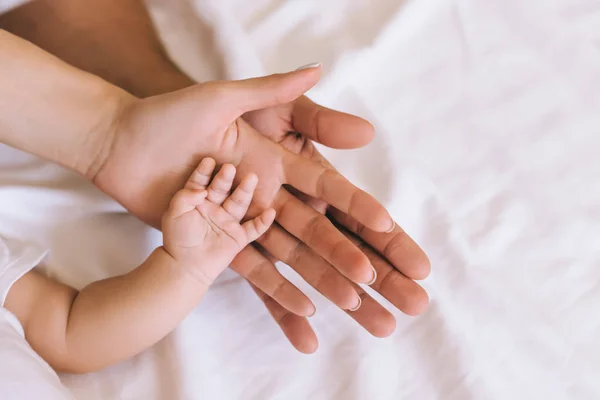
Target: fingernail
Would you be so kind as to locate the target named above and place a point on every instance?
(313, 313)
(372, 281)
(392, 228)
(357, 306)
(307, 66)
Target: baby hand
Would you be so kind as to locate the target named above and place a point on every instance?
(202, 228)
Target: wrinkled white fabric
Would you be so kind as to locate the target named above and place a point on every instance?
(16, 259)
(487, 114)
(23, 374)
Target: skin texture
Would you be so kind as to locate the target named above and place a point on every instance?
(82, 332)
(148, 165)
(202, 228)
(133, 59)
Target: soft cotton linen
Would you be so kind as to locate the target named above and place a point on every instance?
(487, 117)
(23, 374)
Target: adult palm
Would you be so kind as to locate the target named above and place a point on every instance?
(157, 142)
(397, 259)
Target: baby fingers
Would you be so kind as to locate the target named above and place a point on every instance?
(257, 226)
(202, 175)
(237, 204)
(220, 186)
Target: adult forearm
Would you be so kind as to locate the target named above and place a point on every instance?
(52, 109)
(116, 318)
(114, 39)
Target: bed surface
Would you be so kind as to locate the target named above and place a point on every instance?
(488, 138)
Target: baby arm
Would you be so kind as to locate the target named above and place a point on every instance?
(116, 318)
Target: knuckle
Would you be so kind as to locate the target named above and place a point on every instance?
(284, 318)
(313, 227)
(295, 255)
(239, 201)
(318, 282)
(217, 191)
(256, 271)
(353, 204)
(394, 245)
(315, 122)
(267, 237)
(337, 252)
(357, 228)
(387, 279)
(278, 288)
(322, 183)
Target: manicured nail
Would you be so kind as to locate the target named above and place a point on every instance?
(392, 228)
(307, 66)
(372, 281)
(357, 306)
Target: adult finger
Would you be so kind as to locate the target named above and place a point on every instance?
(370, 314)
(404, 293)
(320, 181)
(297, 329)
(313, 269)
(397, 246)
(258, 270)
(329, 127)
(268, 91)
(373, 316)
(317, 232)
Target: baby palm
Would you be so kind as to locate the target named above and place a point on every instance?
(204, 220)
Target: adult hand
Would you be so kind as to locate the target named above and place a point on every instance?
(397, 259)
(151, 165)
(156, 142)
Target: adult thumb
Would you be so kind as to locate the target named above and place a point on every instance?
(256, 93)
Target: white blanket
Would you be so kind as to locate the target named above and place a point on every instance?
(488, 121)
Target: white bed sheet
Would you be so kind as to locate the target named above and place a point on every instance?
(488, 121)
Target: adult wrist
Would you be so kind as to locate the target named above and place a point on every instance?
(53, 110)
(99, 139)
